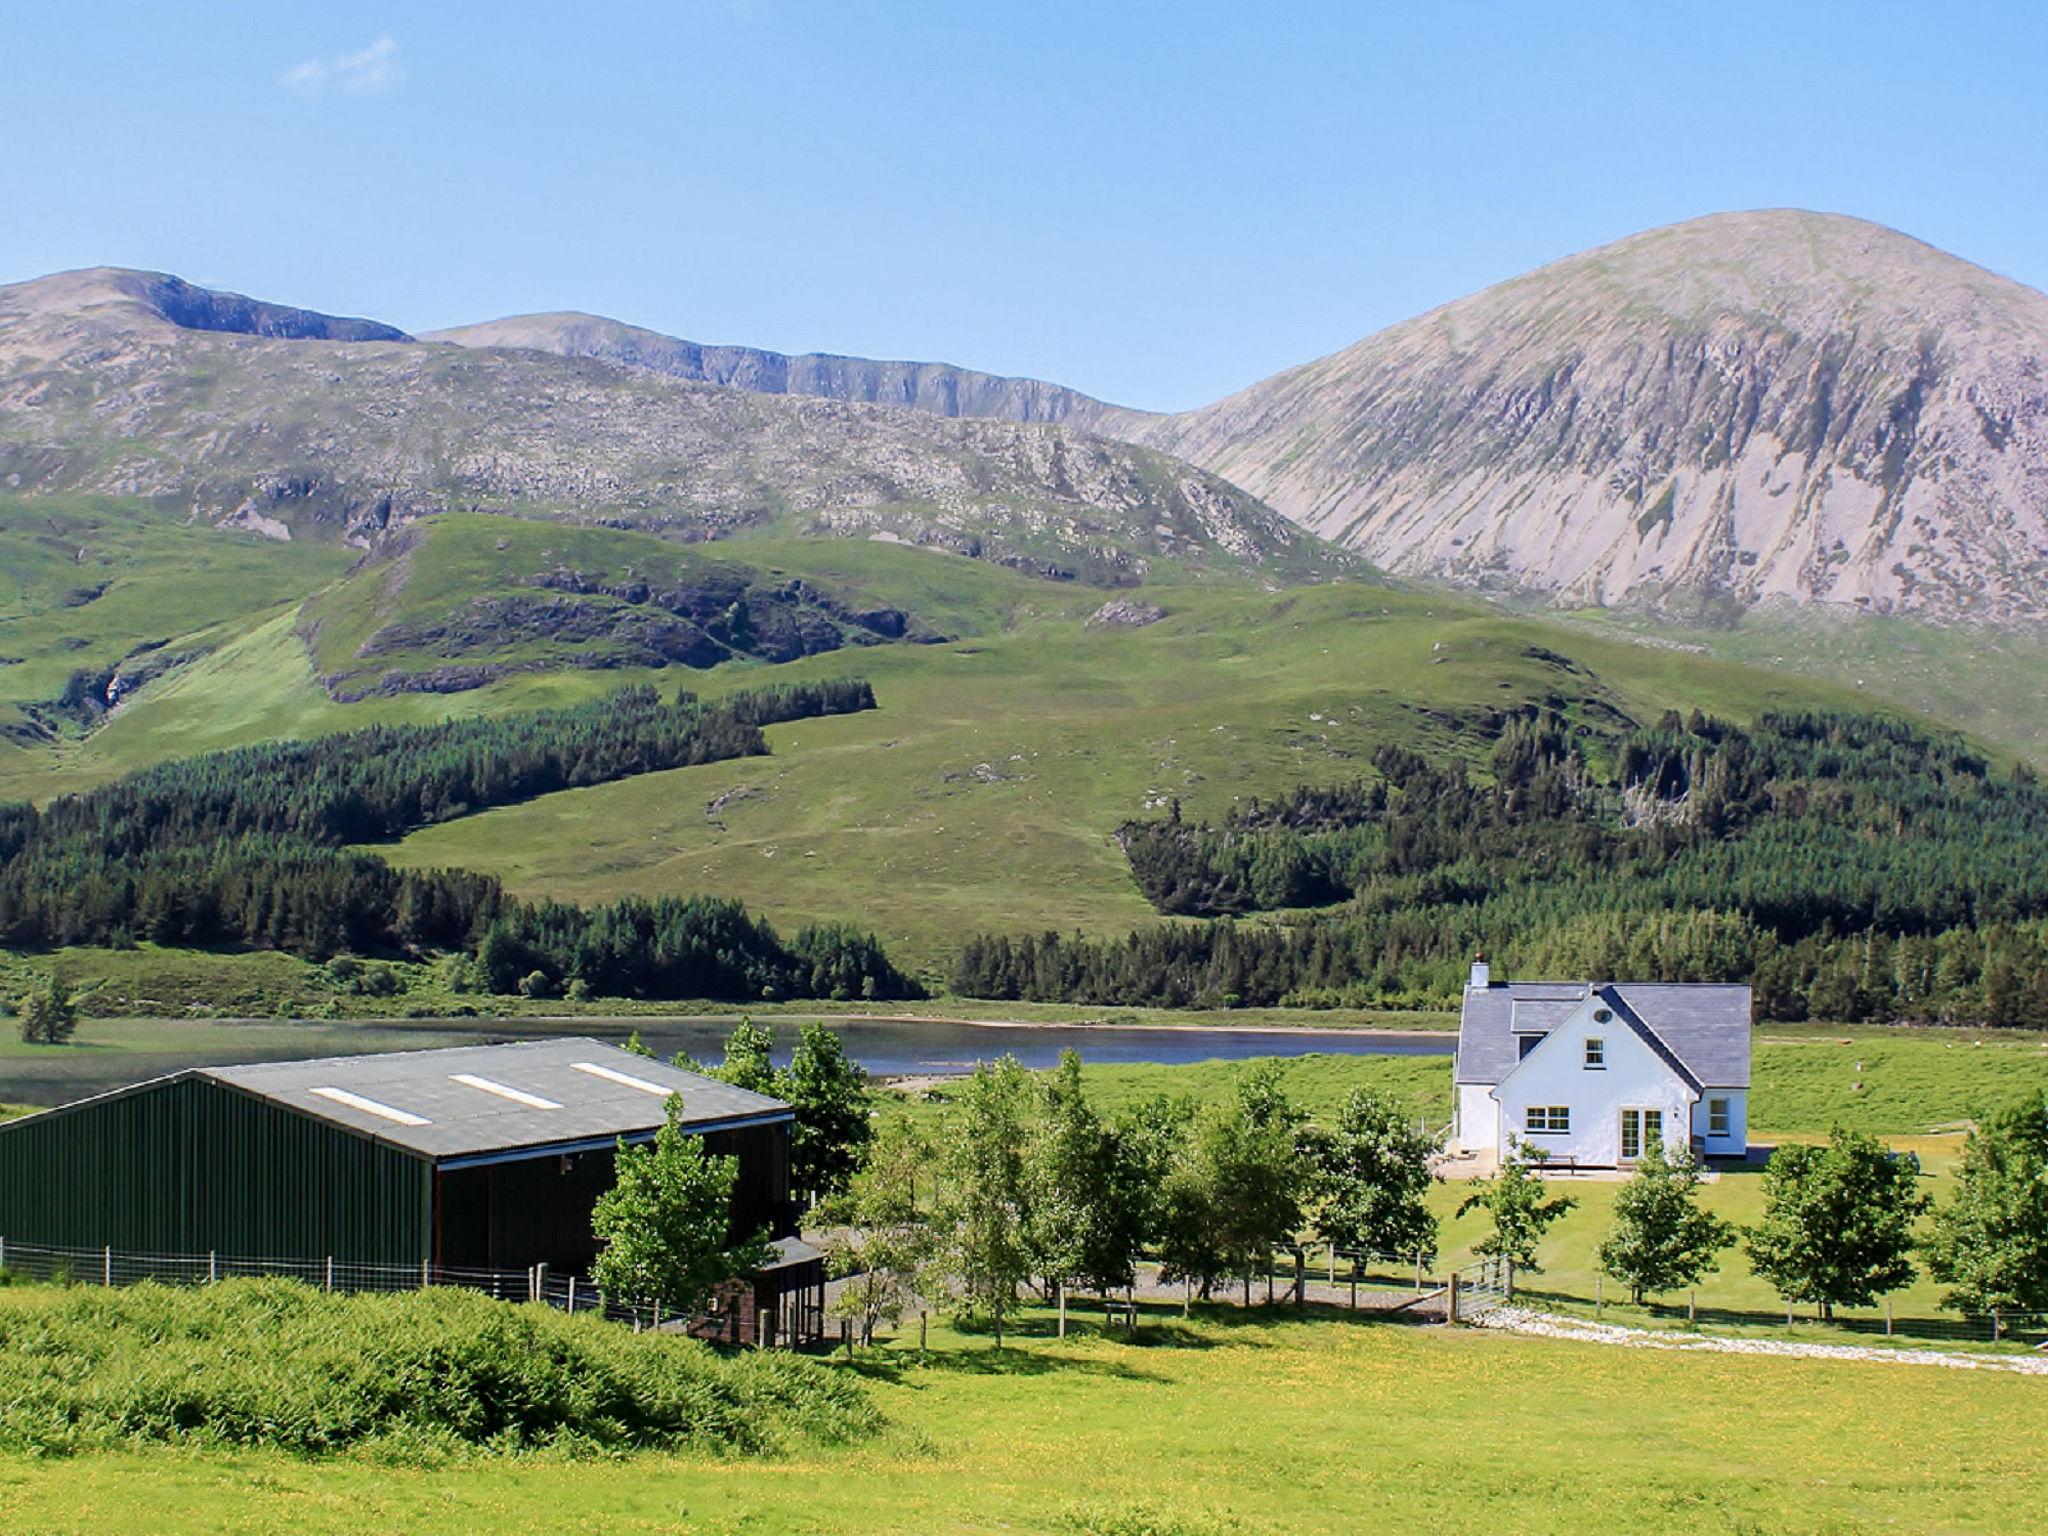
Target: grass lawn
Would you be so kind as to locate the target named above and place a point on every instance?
(1220, 1428)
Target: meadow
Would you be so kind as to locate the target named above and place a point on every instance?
(1227, 1426)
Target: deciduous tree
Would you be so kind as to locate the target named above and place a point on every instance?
(1513, 1199)
(666, 1223)
(1837, 1228)
(1661, 1239)
(1371, 1179)
(1989, 1245)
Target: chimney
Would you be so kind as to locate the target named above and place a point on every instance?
(1481, 976)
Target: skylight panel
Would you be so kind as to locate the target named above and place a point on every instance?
(623, 1079)
(502, 1090)
(368, 1106)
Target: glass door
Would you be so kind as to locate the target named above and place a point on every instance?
(1640, 1127)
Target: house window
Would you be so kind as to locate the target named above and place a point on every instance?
(1717, 1117)
(1548, 1120)
(1596, 1054)
(1602, 1015)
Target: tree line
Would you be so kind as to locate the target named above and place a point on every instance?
(1841, 1222)
(1847, 866)
(250, 849)
(1025, 1186)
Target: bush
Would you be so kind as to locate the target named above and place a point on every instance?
(278, 1364)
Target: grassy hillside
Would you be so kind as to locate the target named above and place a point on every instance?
(87, 583)
(1978, 679)
(985, 791)
(1222, 1427)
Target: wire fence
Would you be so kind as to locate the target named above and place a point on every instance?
(568, 1293)
(1999, 1326)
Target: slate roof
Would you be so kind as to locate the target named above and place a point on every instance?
(478, 1100)
(1703, 1029)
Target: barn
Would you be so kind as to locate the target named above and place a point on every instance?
(463, 1160)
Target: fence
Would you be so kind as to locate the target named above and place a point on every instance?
(569, 1293)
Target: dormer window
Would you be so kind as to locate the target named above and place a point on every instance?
(1596, 1054)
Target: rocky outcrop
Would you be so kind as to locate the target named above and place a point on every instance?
(566, 617)
(940, 389)
(1756, 408)
(1125, 613)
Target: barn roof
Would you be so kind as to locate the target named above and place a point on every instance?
(1703, 1027)
(479, 1102)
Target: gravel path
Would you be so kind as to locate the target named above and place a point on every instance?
(1549, 1325)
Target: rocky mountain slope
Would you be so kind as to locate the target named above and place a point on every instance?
(282, 421)
(1752, 408)
(938, 388)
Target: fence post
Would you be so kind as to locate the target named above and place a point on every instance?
(923, 1321)
(1300, 1277)
(1063, 1309)
(1887, 1317)
(1692, 1308)
(3, 1253)
(1333, 1265)
(1451, 1307)
(330, 1274)
(572, 1295)
(1996, 1328)
(212, 1266)
(107, 1266)
(1507, 1285)
(540, 1281)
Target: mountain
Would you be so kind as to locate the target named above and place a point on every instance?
(287, 422)
(1748, 409)
(938, 388)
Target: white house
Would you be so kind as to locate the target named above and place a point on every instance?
(1590, 1072)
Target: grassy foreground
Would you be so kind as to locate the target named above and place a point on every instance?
(1225, 1427)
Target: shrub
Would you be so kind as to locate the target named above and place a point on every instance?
(278, 1364)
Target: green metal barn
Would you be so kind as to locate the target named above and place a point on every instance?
(480, 1157)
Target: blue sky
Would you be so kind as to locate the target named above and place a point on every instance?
(1155, 203)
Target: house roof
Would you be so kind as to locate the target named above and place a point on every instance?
(478, 1102)
(1701, 1029)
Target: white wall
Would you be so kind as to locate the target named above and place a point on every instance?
(1555, 1072)
(1478, 1123)
(1736, 1142)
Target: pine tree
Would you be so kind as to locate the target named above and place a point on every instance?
(49, 1013)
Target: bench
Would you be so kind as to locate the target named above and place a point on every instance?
(1120, 1312)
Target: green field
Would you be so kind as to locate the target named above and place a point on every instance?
(1257, 1423)
(1228, 1427)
